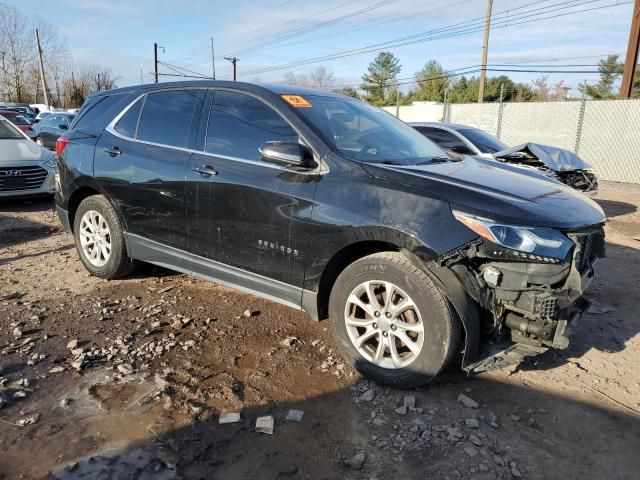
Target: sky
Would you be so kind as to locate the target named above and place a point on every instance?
(120, 34)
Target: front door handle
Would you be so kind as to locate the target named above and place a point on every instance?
(205, 170)
(113, 151)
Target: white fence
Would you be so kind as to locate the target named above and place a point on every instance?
(604, 133)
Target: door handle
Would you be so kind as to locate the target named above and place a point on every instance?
(113, 151)
(205, 170)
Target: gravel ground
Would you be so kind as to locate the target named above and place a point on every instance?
(130, 379)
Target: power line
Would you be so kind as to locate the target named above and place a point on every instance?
(311, 28)
(443, 32)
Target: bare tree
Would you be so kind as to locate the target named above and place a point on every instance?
(541, 88)
(319, 77)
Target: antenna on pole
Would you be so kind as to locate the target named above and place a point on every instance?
(213, 61)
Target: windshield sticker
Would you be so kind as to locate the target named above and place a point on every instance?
(296, 101)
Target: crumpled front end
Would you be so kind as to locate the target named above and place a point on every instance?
(526, 307)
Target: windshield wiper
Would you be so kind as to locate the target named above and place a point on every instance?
(438, 160)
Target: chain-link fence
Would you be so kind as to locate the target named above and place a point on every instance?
(604, 133)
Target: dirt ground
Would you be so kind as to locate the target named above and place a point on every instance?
(128, 378)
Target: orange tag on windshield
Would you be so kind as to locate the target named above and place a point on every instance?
(296, 100)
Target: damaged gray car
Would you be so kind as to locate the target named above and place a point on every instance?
(552, 162)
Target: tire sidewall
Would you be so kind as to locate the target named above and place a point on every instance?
(118, 249)
(437, 335)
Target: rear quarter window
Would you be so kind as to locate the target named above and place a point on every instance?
(95, 108)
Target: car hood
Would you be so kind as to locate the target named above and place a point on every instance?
(496, 193)
(555, 158)
(22, 151)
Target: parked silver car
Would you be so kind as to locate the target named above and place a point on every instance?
(26, 169)
(553, 162)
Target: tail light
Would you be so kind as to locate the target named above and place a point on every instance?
(61, 144)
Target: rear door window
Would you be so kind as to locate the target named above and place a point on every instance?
(94, 107)
(166, 117)
(239, 124)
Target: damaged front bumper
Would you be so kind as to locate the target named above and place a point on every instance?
(526, 308)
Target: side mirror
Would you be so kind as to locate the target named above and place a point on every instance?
(288, 154)
(62, 126)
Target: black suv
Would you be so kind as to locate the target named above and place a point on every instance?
(330, 205)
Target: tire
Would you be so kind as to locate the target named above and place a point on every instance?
(92, 211)
(431, 325)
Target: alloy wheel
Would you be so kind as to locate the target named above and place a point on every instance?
(384, 324)
(95, 238)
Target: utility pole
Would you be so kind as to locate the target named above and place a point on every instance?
(632, 53)
(233, 61)
(155, 62)
(485, 49)
(44, 81)
(213, 61)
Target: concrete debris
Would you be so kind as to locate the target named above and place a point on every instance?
(471, 451)
(492, 419)
(65, 402)
(265, 425)
(454, 434)
(125, 368)
(72, 344)
(472, 423)
(401, 410)
(409, 401)
(356, 462)
(476, 440)
(30, 420)
(17, 332)
(231, 417)
(57, 369)
(515, 473)
(295, 415)
(368, 396)
(468, 401)
(250, 313)
(289, 342)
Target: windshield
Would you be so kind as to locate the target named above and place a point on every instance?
(486, 143)
(15, 118)
(8, 131)
(360, 131)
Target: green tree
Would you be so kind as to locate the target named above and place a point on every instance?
(348, 91)
(431, 82)
(610, 70)
(381, 79)
(635, 92)
(465, 90)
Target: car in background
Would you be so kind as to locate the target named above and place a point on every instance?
(553, 162)
(51, 128)
(24, 108)
(41, 116)
(20, 121)
(26, 169)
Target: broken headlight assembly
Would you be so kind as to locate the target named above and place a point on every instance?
(534, 244)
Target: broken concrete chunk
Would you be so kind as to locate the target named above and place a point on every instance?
(265, 425)
(472, 423)
(72, 344)
(467, 401)
(57, 369)
(401, 410)
(356, 462)
(492, 419)
(368, 396)
(295, 415)
(125, 369)
(475, 440)
(471, 451)
(17, 333)
(30, 420)
(409, 401)
(231, 417)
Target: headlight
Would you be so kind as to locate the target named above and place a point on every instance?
(532, 243)
(51, 163)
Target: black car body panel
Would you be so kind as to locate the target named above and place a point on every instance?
(285, 232)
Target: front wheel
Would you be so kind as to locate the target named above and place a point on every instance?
(100, 240)
(391, 322)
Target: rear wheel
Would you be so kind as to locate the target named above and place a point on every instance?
(100, 240)
(391, 322)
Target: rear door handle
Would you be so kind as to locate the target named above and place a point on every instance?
(113, 151)
(205, 170)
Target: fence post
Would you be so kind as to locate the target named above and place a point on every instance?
(499, 127)
(583, 105)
